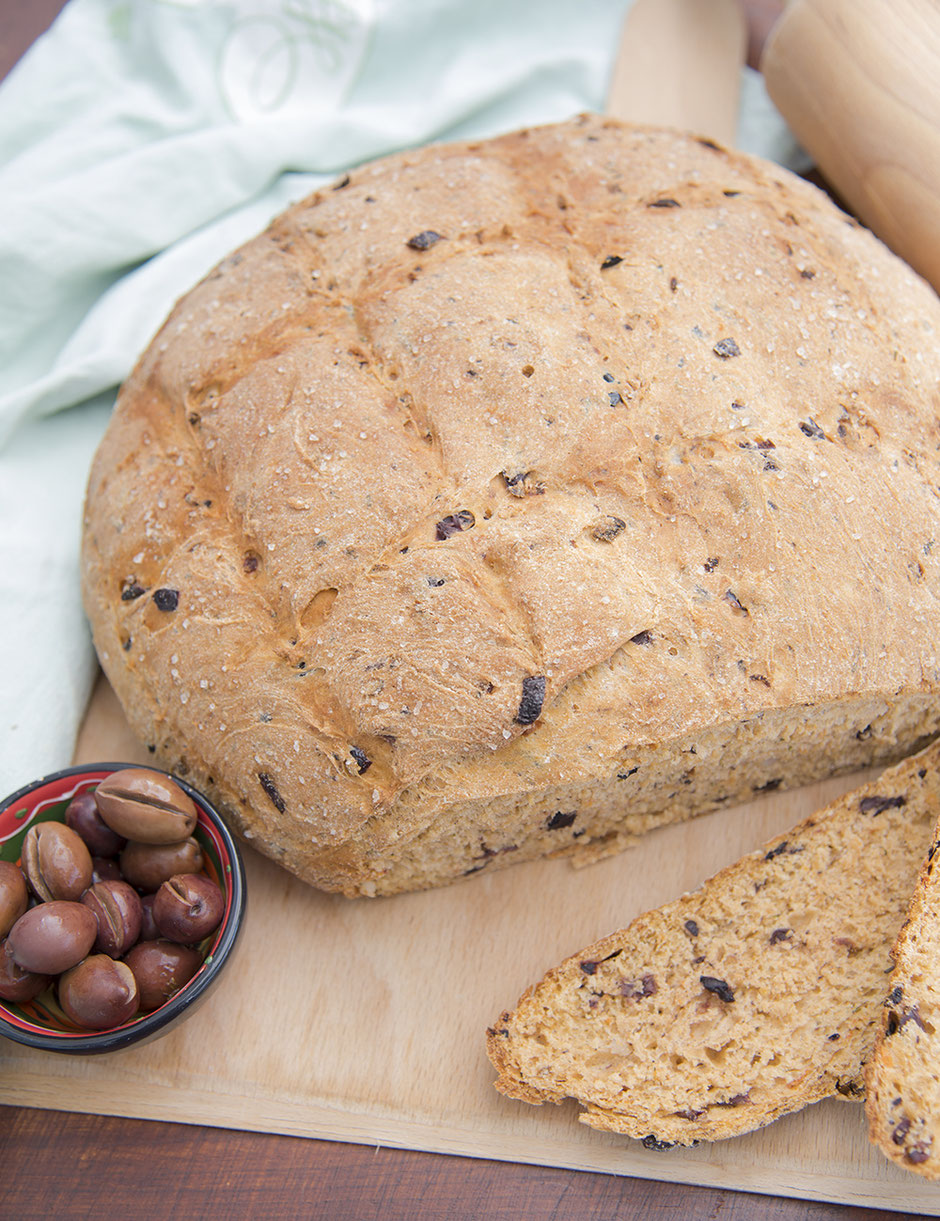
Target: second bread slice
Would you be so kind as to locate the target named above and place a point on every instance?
(749, 998)
(903, 1076)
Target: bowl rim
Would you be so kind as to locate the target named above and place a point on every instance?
(149, 1024)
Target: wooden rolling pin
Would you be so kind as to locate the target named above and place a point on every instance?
(858, 81)
(679, 65)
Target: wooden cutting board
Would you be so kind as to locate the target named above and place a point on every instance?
(364, 1020)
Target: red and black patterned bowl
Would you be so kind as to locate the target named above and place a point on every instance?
(41, 1023)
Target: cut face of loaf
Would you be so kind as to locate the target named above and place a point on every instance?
(649, 787)
(903, 1076)
(514, 497)
(748, 999)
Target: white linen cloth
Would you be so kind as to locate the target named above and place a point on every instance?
(140, 140)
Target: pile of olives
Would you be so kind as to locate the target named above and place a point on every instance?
(111, 905)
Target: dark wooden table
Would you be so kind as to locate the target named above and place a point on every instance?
(56, 1164)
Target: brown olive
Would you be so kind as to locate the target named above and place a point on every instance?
(52, 937)
(148, 929)
(16, 984)
(148, 866)
(81, 814)
(116, 907)
(105, 869)
(56, 861)
(188, 907)
(145, 806)
(14, 896)
(161, 968)
(99, 993)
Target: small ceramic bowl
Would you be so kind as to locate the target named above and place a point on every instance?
(42, 1023)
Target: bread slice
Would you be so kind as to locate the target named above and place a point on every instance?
(740, 1002)
(903, 1075)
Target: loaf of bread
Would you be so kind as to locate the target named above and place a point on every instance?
(752, 997)
(903, 1076)
(512, 498)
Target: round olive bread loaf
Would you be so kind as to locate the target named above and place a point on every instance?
(513, 497)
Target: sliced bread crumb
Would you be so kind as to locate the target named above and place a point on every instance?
(903, 1076)
(747, 999)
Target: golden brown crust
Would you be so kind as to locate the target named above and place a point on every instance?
(503, 463)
